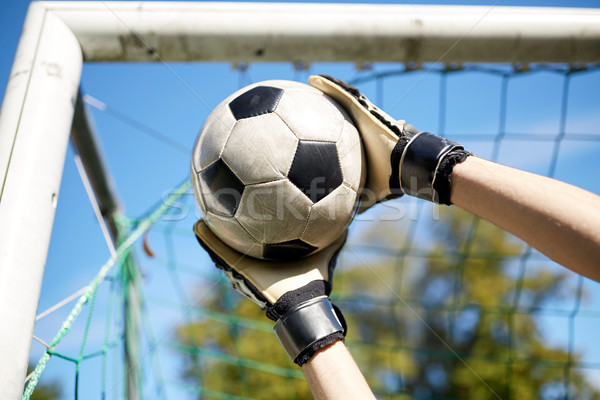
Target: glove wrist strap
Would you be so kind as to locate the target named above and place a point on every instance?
(420, 166)
(308, 327)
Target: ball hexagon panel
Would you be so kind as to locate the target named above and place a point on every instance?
(273, 212)
(212, 138)
(230, 231)
(311, 116)
(329, 217)
(221, 189)
(290, 250)
(265, 142)
(316, 169)
(351, 156)
(257, 101)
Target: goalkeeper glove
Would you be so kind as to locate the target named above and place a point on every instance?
(400, 159)
(293, 293)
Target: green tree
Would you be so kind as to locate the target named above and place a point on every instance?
(231, 350)
(447, 322)
(45, 391)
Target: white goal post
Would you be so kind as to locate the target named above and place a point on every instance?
(38, 107)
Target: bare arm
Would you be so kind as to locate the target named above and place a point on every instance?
(560, 220)
(332, 374)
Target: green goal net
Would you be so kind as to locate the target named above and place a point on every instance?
(440, 305)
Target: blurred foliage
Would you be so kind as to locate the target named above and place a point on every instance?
(45, 391)
(450, 323)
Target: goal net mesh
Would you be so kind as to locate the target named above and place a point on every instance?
(439, 304)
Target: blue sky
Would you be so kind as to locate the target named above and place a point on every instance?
(144, 169)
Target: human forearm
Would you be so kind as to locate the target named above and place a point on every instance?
(560, 220)
(332, 374)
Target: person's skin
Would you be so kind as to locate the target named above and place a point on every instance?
(332, 373)
(560, 220)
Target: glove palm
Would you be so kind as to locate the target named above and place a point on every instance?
(293, 293)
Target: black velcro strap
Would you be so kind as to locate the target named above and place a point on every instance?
(311, 350)
(308, 327)
(443, 179)
(291, 299)
(419, 163)
(395, 159)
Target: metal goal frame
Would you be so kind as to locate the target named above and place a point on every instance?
(42, 105)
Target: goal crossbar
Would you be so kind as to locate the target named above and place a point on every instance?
(40, 98)
(246, 32)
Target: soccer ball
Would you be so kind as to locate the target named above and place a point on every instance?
(276, 169)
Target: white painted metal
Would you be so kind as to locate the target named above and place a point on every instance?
(35, 122)
(36, 114)
(138, 31)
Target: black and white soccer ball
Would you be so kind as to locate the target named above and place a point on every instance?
(276, 169)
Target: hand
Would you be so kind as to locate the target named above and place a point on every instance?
(400, 160)
(294, 293)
